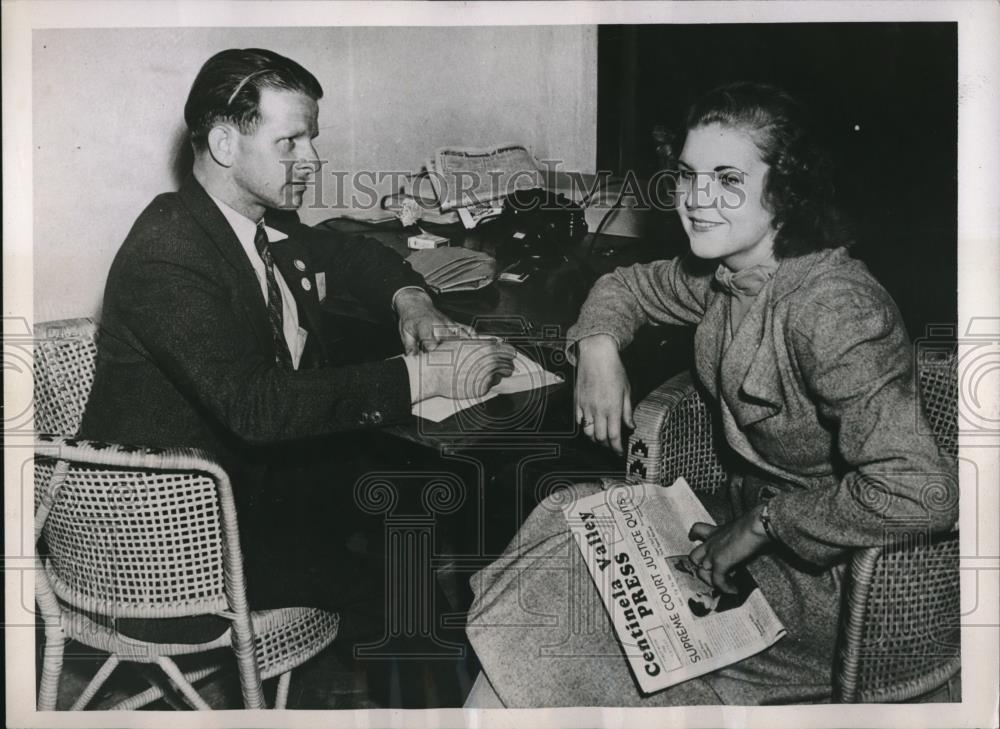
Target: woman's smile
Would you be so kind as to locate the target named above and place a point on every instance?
(700, 225)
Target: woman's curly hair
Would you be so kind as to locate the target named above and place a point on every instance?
(798, 189)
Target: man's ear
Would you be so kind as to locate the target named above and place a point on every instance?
(222, 144)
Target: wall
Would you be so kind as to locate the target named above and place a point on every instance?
(108, 129)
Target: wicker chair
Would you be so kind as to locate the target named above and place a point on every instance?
(899, 638)
(134, 533)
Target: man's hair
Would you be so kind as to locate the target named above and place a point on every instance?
(228, 89)
(798, 189)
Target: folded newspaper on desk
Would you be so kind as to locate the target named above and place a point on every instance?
(671, 625)
(474, 176)
(528, 375)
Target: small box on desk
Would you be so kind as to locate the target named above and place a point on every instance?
(425, 241)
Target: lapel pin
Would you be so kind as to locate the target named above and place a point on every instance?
(299, 264)
(307, 284)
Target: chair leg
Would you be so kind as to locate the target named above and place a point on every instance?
(52, 662)
(245, 651)
(170, 668)
(55, 637)
(155, 692)
(147, 697)
(281, 698)
(95, 683)
(160, 684)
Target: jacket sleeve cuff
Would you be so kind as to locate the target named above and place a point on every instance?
(387, 399)
(408, 288)
(788, 513)
(574, 338)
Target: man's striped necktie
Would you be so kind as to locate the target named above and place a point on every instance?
(274, 309)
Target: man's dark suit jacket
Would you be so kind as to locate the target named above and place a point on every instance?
(186, 356)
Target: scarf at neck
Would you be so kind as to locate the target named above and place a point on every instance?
(743, 286)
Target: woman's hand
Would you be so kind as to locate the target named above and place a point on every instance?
(725, 547)
(602, 396)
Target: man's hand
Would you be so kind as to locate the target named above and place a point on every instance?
(462, 368)
(602, 395)
(421, 326)
(725, 547)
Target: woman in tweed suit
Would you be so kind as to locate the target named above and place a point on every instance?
(807, 358)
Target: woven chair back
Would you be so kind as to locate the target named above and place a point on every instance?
(910, 636)
(65, 354)
(128, 542)
(938, 380)
(693, 446)
(134, 543)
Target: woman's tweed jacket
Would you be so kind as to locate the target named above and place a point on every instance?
(818, 391)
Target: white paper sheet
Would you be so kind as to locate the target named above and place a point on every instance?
(528, 375)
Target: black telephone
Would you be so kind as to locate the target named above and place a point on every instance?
(541, 225)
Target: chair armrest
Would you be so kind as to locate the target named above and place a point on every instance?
(84, 327)
(900, 632)
(120, 455)
(674, 437)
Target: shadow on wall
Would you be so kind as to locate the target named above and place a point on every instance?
(182, 156)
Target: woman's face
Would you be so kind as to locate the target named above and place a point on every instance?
(720, 193)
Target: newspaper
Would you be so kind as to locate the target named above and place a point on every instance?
(475, 214)
(471, 176)
(671, 625)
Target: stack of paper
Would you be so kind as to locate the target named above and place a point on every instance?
(528, 375)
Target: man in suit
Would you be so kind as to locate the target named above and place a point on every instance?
(213, 335)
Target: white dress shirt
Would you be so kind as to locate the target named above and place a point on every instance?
(295, 336)
(245, 230)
